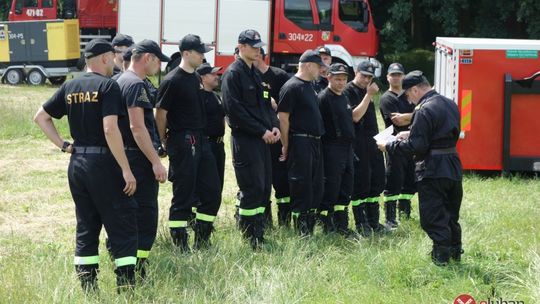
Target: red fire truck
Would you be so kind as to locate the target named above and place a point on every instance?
(288, 26)
(97, 18)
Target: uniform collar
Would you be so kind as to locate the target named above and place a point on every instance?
(426, 97)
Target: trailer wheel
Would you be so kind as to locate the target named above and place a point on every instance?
(35, 77)
(14, 77)
(57, 80)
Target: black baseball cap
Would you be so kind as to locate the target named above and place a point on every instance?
(149, 46)
(97, 47)
(412, 79)
(193, 42)
(396, 68)
(206, 68)
(366, 68)
(122, 40)
(338, 69)
(312, 56)
(251, 37)
(324, 50)
(128, 53)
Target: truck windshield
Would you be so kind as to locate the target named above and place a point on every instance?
(355, 14)
(324, 7)
(299, 12)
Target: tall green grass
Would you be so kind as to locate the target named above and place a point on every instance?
(500, 219)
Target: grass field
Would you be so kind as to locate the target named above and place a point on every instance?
(500, 220)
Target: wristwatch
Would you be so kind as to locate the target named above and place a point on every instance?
(65, 145)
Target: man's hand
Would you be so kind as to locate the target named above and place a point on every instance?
(131, 183)
(269, 137)
(381, 145)
(277, 134)
(69, 149)
(160, 172)
(284, 154)
(372, 89)
(403, 135)
(400, 119)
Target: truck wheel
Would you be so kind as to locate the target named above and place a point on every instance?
(35, 77)
(57, 80)
(14, 77)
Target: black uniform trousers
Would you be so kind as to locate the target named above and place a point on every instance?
(279, 175)
(218, 150)
(369, 171)
(400, 177)
(146, 197)
(305, 173)
(96, 185)
(193, 173)
(338, 176)
(439, 204)
(253, 169)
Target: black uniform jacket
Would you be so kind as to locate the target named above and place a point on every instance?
(434, 133)
(243, 99)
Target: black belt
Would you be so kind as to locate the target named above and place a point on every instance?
(443, 151)
(131, 149)
(305, 135)
(91, 150)
(216, 139)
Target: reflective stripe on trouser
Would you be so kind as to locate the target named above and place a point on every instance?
(143, 254)
(391, 198)
(358, 202)
(283, 200)
(205, 217)
(340, 208)
(251, 212)
(178, 224)
(87, 260)
(125, 261)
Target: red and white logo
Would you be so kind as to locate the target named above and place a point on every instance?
(464, 299)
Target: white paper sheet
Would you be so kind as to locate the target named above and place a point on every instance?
(386, 135)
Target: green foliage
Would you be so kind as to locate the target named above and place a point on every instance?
(417, 59)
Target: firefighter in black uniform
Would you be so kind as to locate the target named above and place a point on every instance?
(120, 42)
(215, 116)
(368, 161)
(321, 82)
(337, 151)
(432, 140)
(400, 184)
(302, 127)
(273, 80)
(192, 169)
(100, 179)
(141, 139)
(254, 127)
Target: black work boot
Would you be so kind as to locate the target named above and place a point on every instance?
(140, 268)
(301, 224)
(284, 215)
(440, 255)
(373, 214)
(390, 213)
(360, 220)
(125, 278)
(312, 221)
(341, 222)
(87, 274)
(257, 239)
(268, 221)
(191, 219)
(455, 253)
(404, 207)
(327, 220)
(203, 230)
(180, 238)
(252, 230)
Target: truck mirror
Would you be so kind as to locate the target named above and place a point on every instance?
(366, 13)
